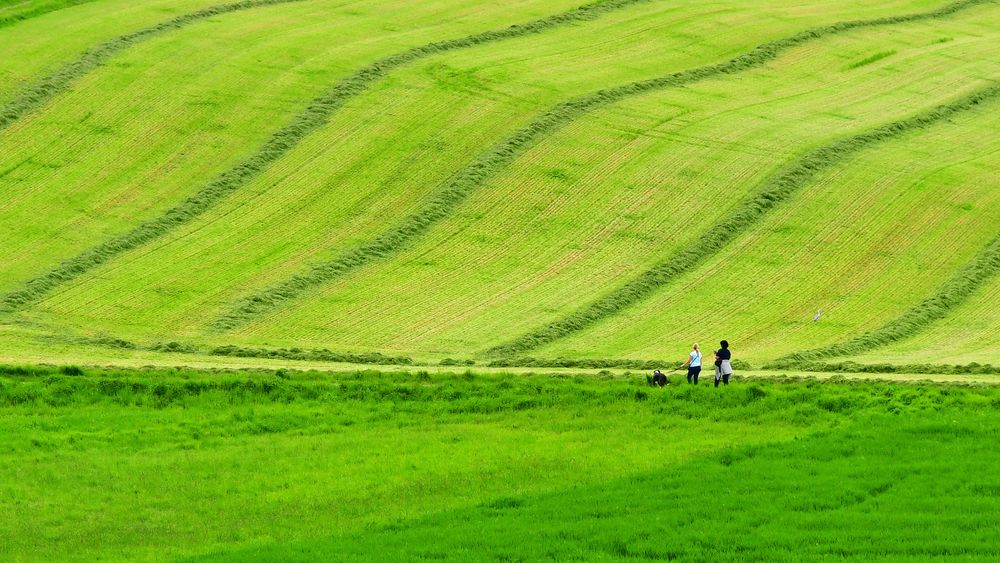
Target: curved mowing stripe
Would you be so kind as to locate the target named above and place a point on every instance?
(48, 87)
(38, 11)
(281, 142)
(458, 187)
(776, 189)
(952, 294)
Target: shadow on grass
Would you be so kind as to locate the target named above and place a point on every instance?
(912, 487)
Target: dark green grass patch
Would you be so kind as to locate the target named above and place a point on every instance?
(774, 191)
(460, 185)
(314, 116)
(885, 487)
(871, 59)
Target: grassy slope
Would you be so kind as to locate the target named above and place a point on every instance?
(149, 129)
(858, 492)
(174, 463)
(902, 200)
(263, 233)
(15, 11)
(969, 334)
(30, 48)
(560, 226)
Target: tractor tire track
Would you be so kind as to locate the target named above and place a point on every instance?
(310, 119)
(456, 189)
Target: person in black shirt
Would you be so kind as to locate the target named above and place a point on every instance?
(723, 368)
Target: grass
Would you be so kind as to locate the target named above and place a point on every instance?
(457, 188)
(340, 183)
(981, 270)
(160, 104)
(524, 249)
(776, 190)
(37, 94)
(314, 116)
(830, 247)
(19, 12)
(286, 464)
(965, 336)
(198, 131)
(871, 59)
(31, 51)
(462, 196)
(854, 367)
(892, 509)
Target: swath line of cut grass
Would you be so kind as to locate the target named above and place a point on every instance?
(34, 96)
(458, 187)
(871, 59)
(952, 294)
(40, 10)
(775, 190)
(314, 116)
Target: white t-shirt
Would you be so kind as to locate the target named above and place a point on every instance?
(695, 359)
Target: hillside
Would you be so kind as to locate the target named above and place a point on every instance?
(496, 181)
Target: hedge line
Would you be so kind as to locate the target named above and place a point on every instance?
(32, 97)
(776, 189)
(981, 269)
(458, 187)
(314, 116)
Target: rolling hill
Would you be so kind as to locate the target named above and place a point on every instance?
(528, 182)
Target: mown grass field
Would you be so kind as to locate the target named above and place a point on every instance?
(419, 258)
(965, 336)
(600, 182)
(180, 464)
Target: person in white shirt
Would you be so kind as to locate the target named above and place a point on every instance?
(694, 364)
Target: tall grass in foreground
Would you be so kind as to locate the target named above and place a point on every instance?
(460, 185)
(314, 116)
(157, 464)
(914, 488)
(953, 293)
(774, 191)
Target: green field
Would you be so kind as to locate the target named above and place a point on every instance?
(598, 183)
(175, 464)
(383, 280)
